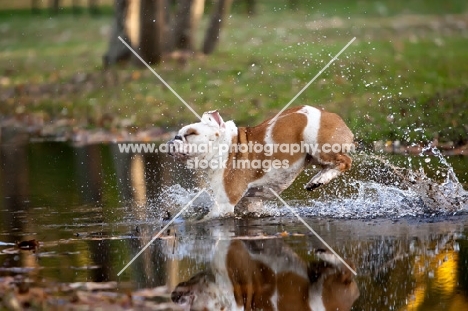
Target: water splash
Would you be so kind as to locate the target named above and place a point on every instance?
(377, 186)
(175, 197)
(383, 189)
(447, 196)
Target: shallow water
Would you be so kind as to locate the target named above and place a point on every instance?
(93, 209)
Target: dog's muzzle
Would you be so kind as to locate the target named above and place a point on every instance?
(175, 147)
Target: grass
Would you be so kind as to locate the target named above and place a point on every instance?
(404, 78)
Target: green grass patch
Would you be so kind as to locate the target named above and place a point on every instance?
(404, 78)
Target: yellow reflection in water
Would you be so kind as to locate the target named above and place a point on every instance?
(436, 284)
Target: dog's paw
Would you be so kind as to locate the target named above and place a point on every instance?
(312, 186)
(214, 215)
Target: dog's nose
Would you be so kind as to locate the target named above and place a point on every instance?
(172, 145)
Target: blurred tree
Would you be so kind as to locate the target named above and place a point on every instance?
(151, 24)
(76, 9)
(293, 4)
(218, 16)
(182, 33)
(35, 6)
(54, 6)
(185, 24)
(117, 51)
(198, 9)
(154, 27)
(251, 6)
(93, 6)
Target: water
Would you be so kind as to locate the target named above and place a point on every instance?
(402, 221)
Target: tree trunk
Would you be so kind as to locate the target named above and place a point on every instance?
(143, 24)
(181, 34)
(251, 5)
(117, 51)
(198, 8)
(54, 6)
(76, 9)
(35, 7)
(93, 7)
(151, 24)
(293, 4)
(186, 21)
(166, 41)
(132, 22)
(217, 18)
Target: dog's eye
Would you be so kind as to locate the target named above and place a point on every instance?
(190, 133)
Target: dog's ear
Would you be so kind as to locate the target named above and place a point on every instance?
(213, 116)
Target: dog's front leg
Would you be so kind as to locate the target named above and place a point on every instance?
(250, 205)
(220, 208)
(222, 204)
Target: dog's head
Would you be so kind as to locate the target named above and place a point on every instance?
(339, 290)
(200, 293)
(200, 140)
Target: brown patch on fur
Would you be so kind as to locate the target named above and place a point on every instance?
(284, 133)
(339, 290)
(293, 292)
(191, 131)
(332, 131)
(236, 179)
(253, 281)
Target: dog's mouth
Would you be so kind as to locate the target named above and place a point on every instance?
(179, 156)
(175, 151)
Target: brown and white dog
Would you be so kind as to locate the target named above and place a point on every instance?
(240, 171)
(268, 275)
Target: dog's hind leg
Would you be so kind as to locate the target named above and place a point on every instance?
(332, 133)
(332, 166)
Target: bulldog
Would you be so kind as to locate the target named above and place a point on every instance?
(243, 163)
(267, 275)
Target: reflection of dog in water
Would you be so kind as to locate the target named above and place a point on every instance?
(267, 275)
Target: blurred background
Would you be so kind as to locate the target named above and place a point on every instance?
(63, 72)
